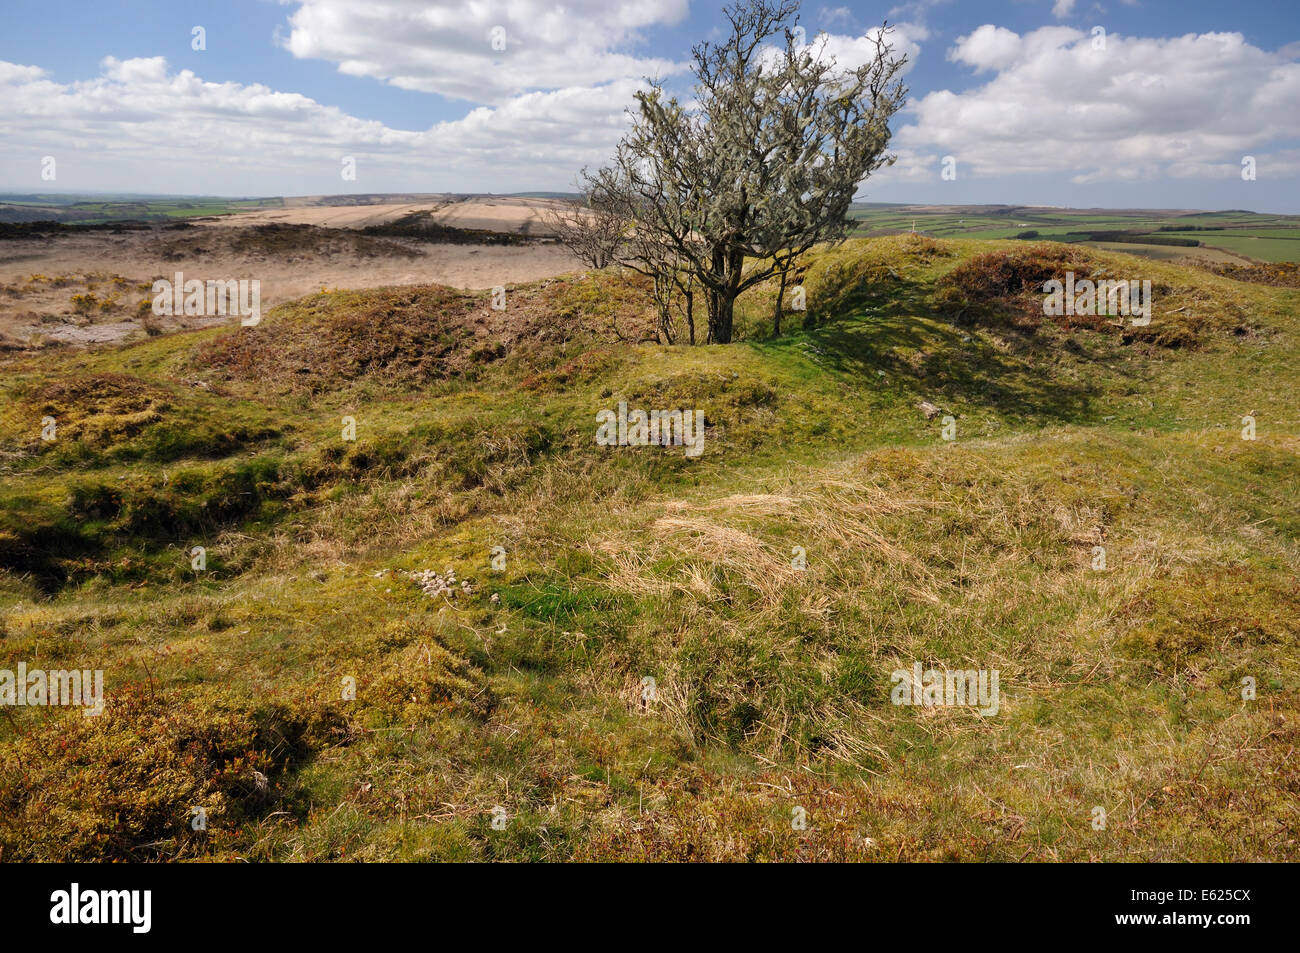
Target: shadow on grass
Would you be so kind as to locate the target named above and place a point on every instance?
(902, 335)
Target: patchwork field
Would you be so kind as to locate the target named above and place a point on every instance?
(1185, 235)
(395, 641)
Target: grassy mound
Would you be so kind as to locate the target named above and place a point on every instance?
(97, 408)
(420, 334)
(1005, 287)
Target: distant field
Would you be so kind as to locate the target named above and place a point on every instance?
(1220, 236)
(72, 211)
(1173, 234)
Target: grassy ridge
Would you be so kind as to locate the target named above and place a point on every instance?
(523, 689)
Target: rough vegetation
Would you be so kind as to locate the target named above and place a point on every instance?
(522, 686)
(259, 242)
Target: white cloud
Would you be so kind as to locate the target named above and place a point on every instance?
(851, 52)
(1137, 109)
(835, 16)
(142, 124)
(989, 47)
(187, 135)
(1062, 8)
(13, 73)
(1185, 108)
(447, 47)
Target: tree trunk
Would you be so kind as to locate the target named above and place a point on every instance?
(723, 317)
(664, 299)
(690, 314)
(780, 301)
(727, 267)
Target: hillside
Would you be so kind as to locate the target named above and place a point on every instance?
(521, 687)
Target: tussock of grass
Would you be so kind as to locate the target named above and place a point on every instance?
(121, 785)
(97, 408)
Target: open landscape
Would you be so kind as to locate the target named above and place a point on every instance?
(478, 686)
(90, 282)
(1197, 236)
(552, 434)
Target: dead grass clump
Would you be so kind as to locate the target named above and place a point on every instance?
(99, 408)
(1006, 274)
(1005, 288)
(408, 335)
(124, 785)
(424, 681)
(1279, 274)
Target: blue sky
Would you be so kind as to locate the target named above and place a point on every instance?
(1016, 92)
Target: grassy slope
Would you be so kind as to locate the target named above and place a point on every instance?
(1120, 688)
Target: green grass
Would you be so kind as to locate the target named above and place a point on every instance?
(1120, 688)
(70, 210)
(1259, 237)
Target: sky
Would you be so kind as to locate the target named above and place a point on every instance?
(1078, 103)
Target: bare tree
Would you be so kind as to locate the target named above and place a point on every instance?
(593, 232)
(766, 162)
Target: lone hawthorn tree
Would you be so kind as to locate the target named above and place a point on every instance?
(759, 168)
